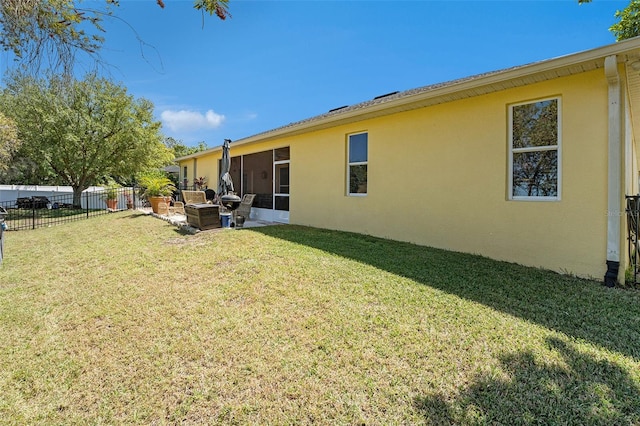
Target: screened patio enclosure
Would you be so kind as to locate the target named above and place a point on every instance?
(265, 174)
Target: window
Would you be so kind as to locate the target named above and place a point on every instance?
(534, 150)
(281, 154)
(357, 168)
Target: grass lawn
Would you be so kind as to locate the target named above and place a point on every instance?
(121, 319)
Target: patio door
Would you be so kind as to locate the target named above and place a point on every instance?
(281, 190)
(266, 174)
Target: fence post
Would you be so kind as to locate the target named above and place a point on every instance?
(33, 213)
(633, 233)
(3, 214)
(86, 200)
(1, 239)
(636, 256)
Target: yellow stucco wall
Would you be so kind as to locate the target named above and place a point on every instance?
(437, 176)
(205, 166)
(191, 168)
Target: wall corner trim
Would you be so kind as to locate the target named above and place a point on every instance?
(614, 174)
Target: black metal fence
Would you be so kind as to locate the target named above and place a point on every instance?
(633, 234)
(3, 213)
(41, 211)
(38, 211)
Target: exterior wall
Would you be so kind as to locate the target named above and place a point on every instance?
(208, 167)
(205, 166)
(438, 176)
(191, 166)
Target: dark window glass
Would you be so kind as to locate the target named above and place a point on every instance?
(282, 178)
(534, 149)
(535, 174)
(281, 154)
(535, 124)
(282, 203)
(358, 155)
(358, 148)
(358, 179)
(258, 178)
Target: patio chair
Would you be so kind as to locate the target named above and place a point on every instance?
(210, 194)
(244, 209)
(177, 208)
(194, 197)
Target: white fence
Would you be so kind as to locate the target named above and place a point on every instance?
(61, 194)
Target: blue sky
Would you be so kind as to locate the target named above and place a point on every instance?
(277, 62)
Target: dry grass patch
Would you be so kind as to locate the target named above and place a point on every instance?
(122, 319)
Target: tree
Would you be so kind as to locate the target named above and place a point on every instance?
(9, 141)
(179, 149)
(83, 131)
(628, 25)
(52, 31)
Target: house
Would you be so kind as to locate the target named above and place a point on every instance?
(529, 164)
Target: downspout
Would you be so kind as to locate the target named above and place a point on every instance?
(614, 180)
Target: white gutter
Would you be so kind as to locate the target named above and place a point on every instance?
(614, 181)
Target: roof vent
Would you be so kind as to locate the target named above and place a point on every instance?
(336, 109)
(386, 94)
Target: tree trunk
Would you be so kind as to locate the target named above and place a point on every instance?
(77, 197)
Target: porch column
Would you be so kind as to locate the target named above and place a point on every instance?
(614, 181)
(195, 172)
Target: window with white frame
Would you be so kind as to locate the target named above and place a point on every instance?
(357, 164)
(534, 150)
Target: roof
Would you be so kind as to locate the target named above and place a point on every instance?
(171, 169)
(628, 51)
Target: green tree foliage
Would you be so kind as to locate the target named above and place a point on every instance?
(9, 141)
(628, 25)
(83, 131)
(51, 31)
(179, 149)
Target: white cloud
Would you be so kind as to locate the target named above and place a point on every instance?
(191, 120)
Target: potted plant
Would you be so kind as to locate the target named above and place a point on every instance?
(128, 195)
(156, 188)
(200, 183)
(110, 196)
